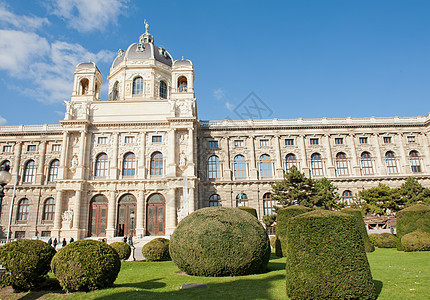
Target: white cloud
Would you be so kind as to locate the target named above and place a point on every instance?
(2, 120)
(229, 106)
(218, 93)
(29, 23)
(88, 15)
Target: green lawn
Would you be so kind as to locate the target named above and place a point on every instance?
(397, 275)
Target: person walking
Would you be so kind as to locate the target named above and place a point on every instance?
(71, 240)
(54, 243)
(63, 243)
(50, 241)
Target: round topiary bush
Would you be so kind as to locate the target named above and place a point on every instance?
(383, 240)
(86, 265)
(250, 210)
(410, 219)
(283, 217)
(326, 259)
(368, 246)
(219, 241)
(123, 250)
(26, 262)
(416, 241)
(157, 249)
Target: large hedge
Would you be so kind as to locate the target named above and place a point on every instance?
(219, 241)
(361, 226)
(26, 262)
(283, 217)
(410, 219)
(250, 210)
(383, 240)
(86, 265)
(326, 258)
(416, 241)
(123, 250)
(157, 249)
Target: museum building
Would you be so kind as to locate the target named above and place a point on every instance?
(142, 160)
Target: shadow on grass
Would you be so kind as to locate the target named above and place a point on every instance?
(378, 287)
(147, 285)
(239, 288)
(50, 286)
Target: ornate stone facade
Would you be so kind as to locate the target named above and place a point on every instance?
(144, 155)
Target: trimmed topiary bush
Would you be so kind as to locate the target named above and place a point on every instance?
(410, 219)
(326, 259)
(383, 240)
(273, 241)
(157, 249)
(26, 262)
(123, 250)
(220, 241)
(86, 265)
(361, 227)
(250, 210)
(283, 217)
(416, 241)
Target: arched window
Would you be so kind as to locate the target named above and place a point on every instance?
(341, 164)
(23, 209)
(182, 84)
(163, 90)
(102, 165)
(215, 200)
(48, 210)
(115, 91)
(239, 167)
(414, 159)
(84, 86)
(390, 161)
(317, 165)
(138, 86)
(243, 201)
(29, 171)
(129, 164)
(53, 170)
(290, 160)
(366, 164)
(213, 167)
(347, 197)
(157, 163)
(265, 166)
(268, 204)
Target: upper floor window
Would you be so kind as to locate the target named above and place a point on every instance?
(157, 139)
(49, 210)
(115, 91)
(102, 165)
(366, 164)
(138, 86)
(414, 160)
(338, 141)
(213, 167)
(387, 139)
(129, 140)
(213, 144)
(7, 148)
(215, 200)
(56, 148)
(129, 164)
(341, 164)
(31, 148)
(314, 141)
(268, 204)
(53, 170)
(289, 142)
(317, 165)
(290, 160)
(265, 166)
(157, 163)
(29, 171)
(102, 140)
(264, 143)
(391, 163)
(238, 143)
(182, 84)
(363, 140)
(239, 167)
(241, 200)
(411, 139)
(23, 210)
(163, 90)
(347, 197)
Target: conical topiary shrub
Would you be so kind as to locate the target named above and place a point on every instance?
(326, 259)
(361, 226)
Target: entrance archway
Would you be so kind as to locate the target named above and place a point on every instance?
(126, 206)
(155, 215)
(98, 216)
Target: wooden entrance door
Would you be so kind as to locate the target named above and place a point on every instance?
(155, 215)
(98, 216)
(126, 207)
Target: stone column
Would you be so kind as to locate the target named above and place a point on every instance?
(253, 173)
(225, 144)
(331, 172)
(58, 213)
(16, 161)
(77, 211)
(114, 159)
(426, 159)
(403, 168)
(40, 178)
(190, 155)
(279, 171)
(380, 170)
(140, 215)
(62, 170)
(356, 171)
(171, 211)
(171, 155)
(304, 164)
(80, 170)
(110, 230)
(141, 162)
(191, 204)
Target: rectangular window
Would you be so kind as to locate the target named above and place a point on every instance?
(157, 139)
(129, 140)
(338, 141)
(238, 143)
(411, 139)
(46, 233)
(102, 140)
(56, 148)
(363, 140)
(213, 144)
(31, 148)
(387, 139)
(264, 143)
(7, 148)
(19, 234)
(314, 141)
(289, 142)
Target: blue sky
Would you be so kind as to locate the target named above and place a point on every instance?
(308, 59)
